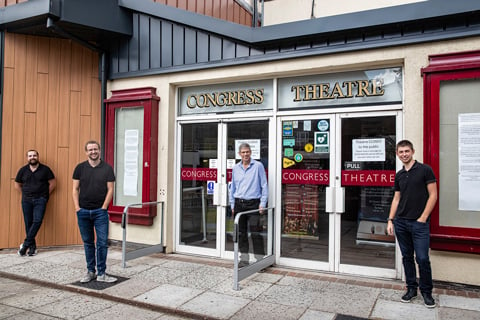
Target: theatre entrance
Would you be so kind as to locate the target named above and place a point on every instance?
(337, 179)
(208, 152)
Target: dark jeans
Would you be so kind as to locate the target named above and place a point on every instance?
(33, 213)
(91, 222)
(251, 222)
(414, 238)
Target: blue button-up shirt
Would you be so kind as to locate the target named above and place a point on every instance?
(249, 183)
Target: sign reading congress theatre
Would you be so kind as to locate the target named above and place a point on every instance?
(364, 87)
(228, 97)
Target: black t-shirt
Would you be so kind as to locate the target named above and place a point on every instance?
(93, 183)
(34, 183)
(412, 185)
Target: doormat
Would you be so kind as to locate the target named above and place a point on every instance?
(96, 285)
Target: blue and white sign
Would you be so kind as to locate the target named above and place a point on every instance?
(210, 187)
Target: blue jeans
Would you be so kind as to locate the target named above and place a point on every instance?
(91, 222)
(414, 237)
(33, 213)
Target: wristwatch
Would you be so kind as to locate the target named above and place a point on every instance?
(390, 219)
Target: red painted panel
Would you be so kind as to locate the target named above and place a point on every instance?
(446, 67)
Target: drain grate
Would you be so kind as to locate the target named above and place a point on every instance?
(95, 285)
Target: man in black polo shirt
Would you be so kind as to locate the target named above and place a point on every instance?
(414, 199)
(35, 181)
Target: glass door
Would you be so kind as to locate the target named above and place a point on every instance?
(306, 226)
(366, 166)
(197, 221)
(337, 184)
(208, 152)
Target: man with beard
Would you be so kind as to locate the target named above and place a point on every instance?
(35, 181)
(93, 182)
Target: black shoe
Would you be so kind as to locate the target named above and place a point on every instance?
(22, 251)
(32, 251)
(428, 299)
(409, 295)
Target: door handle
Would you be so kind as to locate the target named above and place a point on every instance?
(220, 194)
(335, 199)
(339, 200)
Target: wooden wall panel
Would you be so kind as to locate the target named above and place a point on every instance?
(6, 181)
(19, 101)
(64, 95)
(31, 79)
(228, 10)
(48, 83)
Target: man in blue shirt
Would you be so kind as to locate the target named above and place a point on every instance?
(249, 191)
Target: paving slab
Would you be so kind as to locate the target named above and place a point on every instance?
(75, 307)
(289, 296)
(168, 295)
(160, 275)
(249, 289)
(215, 305)
(347, 299)
(36, 297)
(268, 311)
(12, 288)
(304, 283)
(7, 311)
(390, 310)
(123, 312)
(457, 314)
(30, 315)
(317, 315)
(459, 303)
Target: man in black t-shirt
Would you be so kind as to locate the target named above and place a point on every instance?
(414, 199)
(93, 183)
(35, 181)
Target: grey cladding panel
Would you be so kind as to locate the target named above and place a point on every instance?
(190, 46)
(178, 45)
(133, 45)
(144, 43)
(166, 45)
(155, 43)
(228, 49)
(202, 47)
(215, 48)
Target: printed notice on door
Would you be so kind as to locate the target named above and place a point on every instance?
(368, 149)
(469, 161)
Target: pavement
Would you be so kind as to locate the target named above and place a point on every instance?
(175, 286)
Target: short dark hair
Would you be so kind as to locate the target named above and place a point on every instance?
(92, 142)
(33, 151)
(244, 145)
(405, 143)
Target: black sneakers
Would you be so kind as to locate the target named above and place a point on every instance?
(32, 251)
(409, 295)
(22, 251)
(428, 299)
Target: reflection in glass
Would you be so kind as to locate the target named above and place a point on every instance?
(305, 166)
(364, 239)
(198, 214)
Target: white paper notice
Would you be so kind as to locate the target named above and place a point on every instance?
(469, 161)
(368, 149)
(254, 145)
(130, 176)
